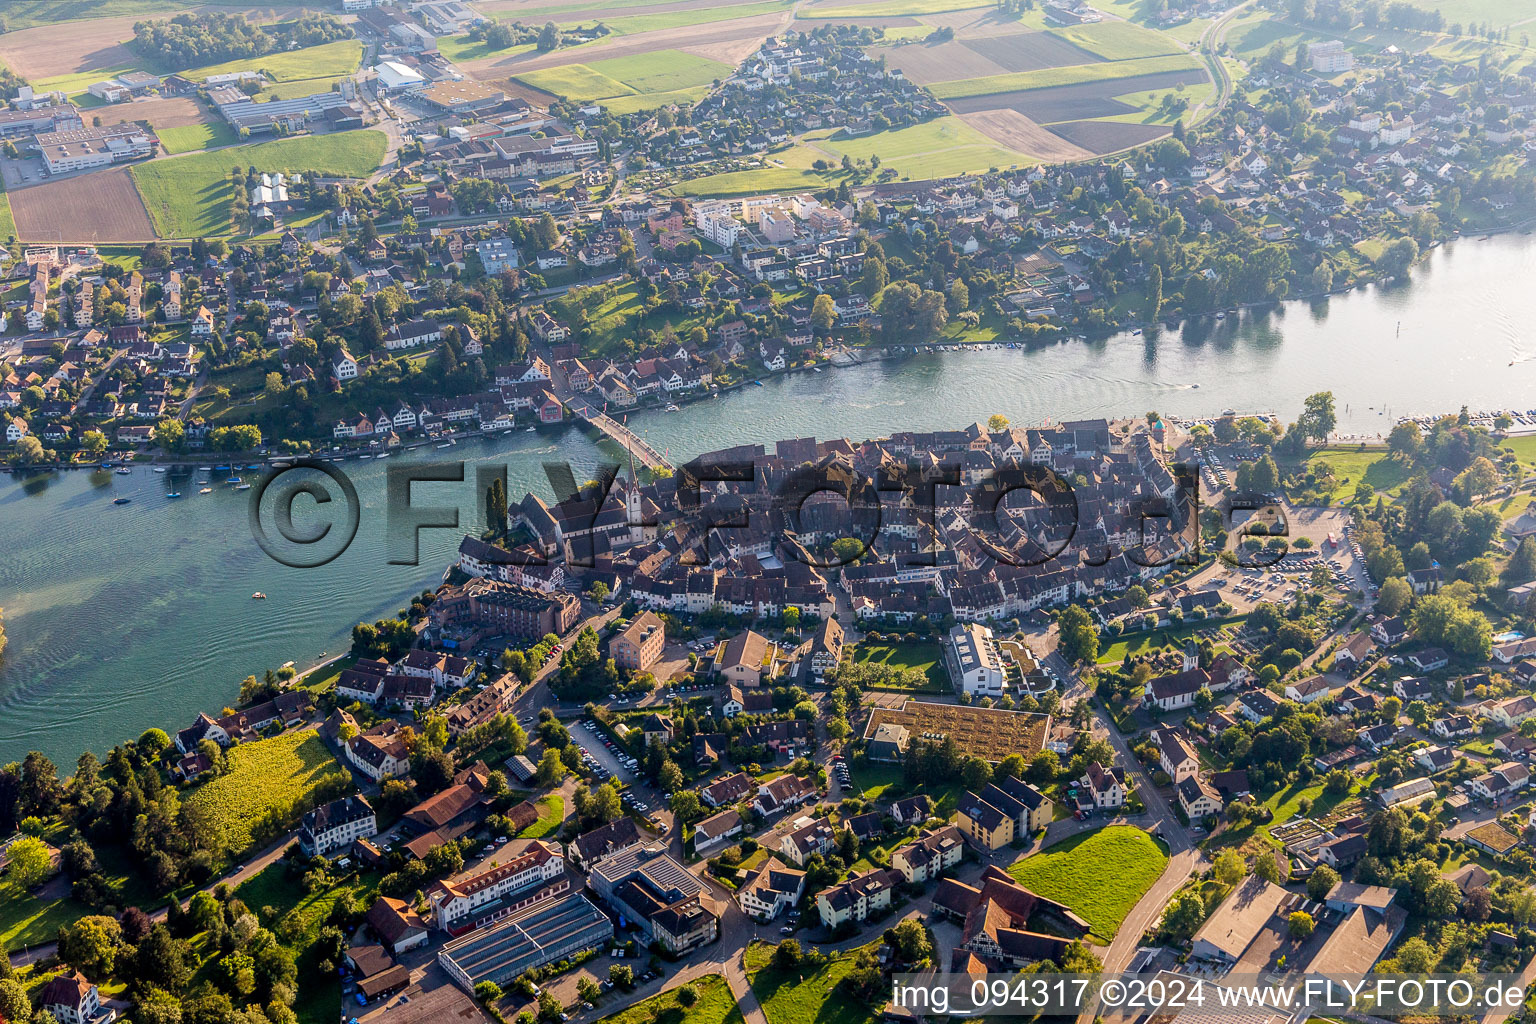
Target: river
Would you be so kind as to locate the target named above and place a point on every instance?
(126, 617)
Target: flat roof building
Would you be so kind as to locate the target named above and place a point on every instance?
(547, 931)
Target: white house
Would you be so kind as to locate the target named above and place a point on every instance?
(336, 825)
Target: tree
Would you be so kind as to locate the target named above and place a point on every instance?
(1300, 924)
(551, 769)
(1229, 867)
(687, 995)
(90, 944)
(1267, 866)
(976, 773)
(14, 1004)
(30, 862)
(1183, 916)
(1078, 637)
(1317, 418)
(590, 991)
(1323, 879)
(909, 940)
(670, 778)
(621, 975)
(823, 313)
(1522, 564)
(997, 422)
(488, 992)
(170, 434)
(1395, 596)
(786, 955)
(1397, 257)
(549, 37)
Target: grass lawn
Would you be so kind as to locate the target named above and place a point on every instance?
(326, 60)
(7, 221)
(715, 1005)
(1118, 40)
(187, 138)
(264, 776)
(629, 84)
(1523, 446)
(1073, 74)
(1100, 875)
(1352, 463)
(325, 678)
(661, 70)
(188, 196)
(551, 817)
(27, 921)
(927, 657)
(795, 175)
(884, 782)
(933, 149)
(804, 997)
(1137, 643)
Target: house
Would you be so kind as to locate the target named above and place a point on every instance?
(724, 792)
(1105, 786)
(615, 837)
(912, 810)
(1429, 659)
(716, 829)
(857, 899)
(1230, 929)
(995, 915)
(782, 794)
(984, 824)
(746, 659)
(1377, 737)
(1308, 690)
(1198, 798)
(771, 891)
(336, 825)
(807, 839)
(1175, 755)
(1390, 631)
(1412, 688)
(413, 333)
(396, 925)
(736, 701)
(640, 644)
(929, 855)
(72, 999)
(975, 664)
(1354, 653)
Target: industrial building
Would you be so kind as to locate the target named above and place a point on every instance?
(547, 931)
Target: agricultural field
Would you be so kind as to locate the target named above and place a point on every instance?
(1118, 40)
(188, 138)
(102, 206)
(631, 83)
(328, 60)
(927, 658)
(265, 776)
(804, 996)
(634, 24)
(933, 149)
(1100, 875)
(715, 1005)
(790, 170)
(188, 196)
(984, 57)
(1075, 74)
(7, 219)
(889, 9)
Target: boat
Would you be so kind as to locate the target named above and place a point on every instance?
(365, 456)
(206, 490)
(1194, 386)
(159, 469)
(258, 596)
(815, 369)
(672, 407)
(242, 487)
(125, 471)
(281, 465)
(757, 383)
(174, 494)
(383, 455)
(121, 501)
(233, 480)
(446, 444)
(1136, 333)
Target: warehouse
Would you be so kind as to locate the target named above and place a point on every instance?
(396, 77)
(463, 97)
(549, 930)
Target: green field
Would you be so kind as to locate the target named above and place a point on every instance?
(575, 82)
(1137, 643)
(1118, 40)
(928, 658)
(1100, 875)
(188, 197)
(715, 1005)
(1350, 464)
(630, 24)
(934, 149)
(462, 48)
(891, 9)
(626, 85)
(1073, 74)
(803, 996)
(263, 776)
(328, 59)
(757, 181)
(7, 221)
(27, 921)
(551, 817)
(75, 84)
(191, 137)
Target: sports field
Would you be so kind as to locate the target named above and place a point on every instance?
(189, 196)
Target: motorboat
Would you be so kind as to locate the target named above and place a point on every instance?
(121, 501)
(258, 596)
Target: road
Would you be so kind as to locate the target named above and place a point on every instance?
(1210, 45)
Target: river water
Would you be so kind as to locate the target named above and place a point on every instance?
(124, 617)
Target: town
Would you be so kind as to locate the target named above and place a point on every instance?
(617, 758)
(1098, 686)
